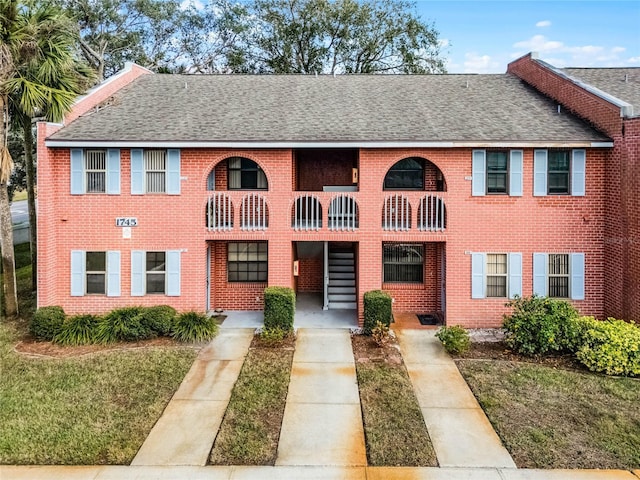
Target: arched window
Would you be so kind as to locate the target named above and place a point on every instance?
(245, 174)
(407, 174)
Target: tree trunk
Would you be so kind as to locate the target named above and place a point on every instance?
(31, 198)
(8, 259)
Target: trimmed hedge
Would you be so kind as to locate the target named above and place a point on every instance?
(194, 327)
(47, 322)
(611, 347)
(159, 319)
(377, 308)
(279, 308)
(540, 325)
(123, 325)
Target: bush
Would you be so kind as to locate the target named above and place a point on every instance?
(540, 325)
(123, 325)
(158, 319)
(273, 336)
(455, 339)
(611, 347)
(380, 334)
(279, 308)
(47, 322)
(194, 327)
(377, 308)
(78, 330)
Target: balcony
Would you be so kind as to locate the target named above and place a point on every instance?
(398, 208)
(254, 211)
(342, 213)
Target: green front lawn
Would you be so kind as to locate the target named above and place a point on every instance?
(554, 418)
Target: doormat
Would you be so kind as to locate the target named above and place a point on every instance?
(428, 319)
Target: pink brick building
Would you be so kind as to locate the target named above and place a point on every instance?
(451, 192)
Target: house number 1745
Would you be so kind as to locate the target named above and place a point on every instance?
(126, 221)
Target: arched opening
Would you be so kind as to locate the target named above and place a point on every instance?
(415, 173)
(237, 173)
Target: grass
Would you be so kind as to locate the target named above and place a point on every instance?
(553, 418)
(96, 409)
(395, 432)
(19, 195)
(250, 429)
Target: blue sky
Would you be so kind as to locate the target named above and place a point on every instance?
(483, 37)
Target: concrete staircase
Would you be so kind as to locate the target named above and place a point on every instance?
(342, 279)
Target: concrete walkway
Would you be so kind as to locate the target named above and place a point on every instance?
(460, 431)
(185, 432)
(322, 422)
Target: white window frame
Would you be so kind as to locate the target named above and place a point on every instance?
(577, 267)
(147, 158)
(479, 274)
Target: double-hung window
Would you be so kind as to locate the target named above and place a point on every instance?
(95, 273)
(559, 172)
(155, 171)
(247, 262)
(496, 275)
(403, 262)
(155, 272)
(245, 174)
(95, 170)
(559, 275)
(496, 172)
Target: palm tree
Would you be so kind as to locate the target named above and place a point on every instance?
(44, 79)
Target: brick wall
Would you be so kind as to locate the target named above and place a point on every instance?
(621, 234)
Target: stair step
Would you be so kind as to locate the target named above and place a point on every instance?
(342, 290)
(341, 275)
(333, 254)
(343, 305)
(342, 261)
(342, 298)
(342, 282)
(340, 268)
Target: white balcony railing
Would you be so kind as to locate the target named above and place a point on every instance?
(254, 212)
(396, 213)
(432, 214)
(219, 212)
(307, 213)
(343, 213)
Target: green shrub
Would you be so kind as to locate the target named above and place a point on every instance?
(194, 327)
(377, 308)
(380, 334)
(78, 330)
(47, 322)
(158, 319)
(540, 325)
(279, 308)
(455, 339)
(122, 325)
(611, 347)
(273, 336)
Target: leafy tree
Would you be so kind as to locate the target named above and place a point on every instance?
(341, 36)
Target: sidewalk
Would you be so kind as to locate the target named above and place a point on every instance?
(322, 422)
(460, 431)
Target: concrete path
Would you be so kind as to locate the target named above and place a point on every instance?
(460, 431)
(118, 472)
(322, 422)
(185, 432)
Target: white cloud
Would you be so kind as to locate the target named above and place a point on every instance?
(634, 60)
(197, 4)
(560, 54)
(474, 63)
(543, 23)
(443, 42)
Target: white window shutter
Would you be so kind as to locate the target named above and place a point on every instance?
(173, 273)
(137, 273)
(78, 272)
(137, 172)
(173, 172)
(113, 273)
(578, 173)
(113, 171)
(77, 171)
(477, 275)
(515, 173)
(577, 276)
(478, 173)
(515, 274)
(539, 173)
(540, 274)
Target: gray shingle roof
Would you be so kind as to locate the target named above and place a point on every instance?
(289, 108)
(622, 83)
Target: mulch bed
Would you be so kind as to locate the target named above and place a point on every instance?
(365, 350)
(501, 352)
(34, 348)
